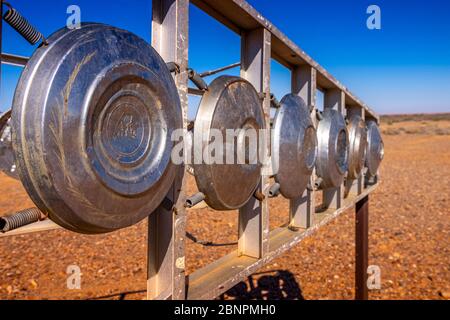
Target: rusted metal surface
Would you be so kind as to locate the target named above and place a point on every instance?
(361, 247)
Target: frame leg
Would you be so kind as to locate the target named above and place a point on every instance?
(254, 216)
(362, 248)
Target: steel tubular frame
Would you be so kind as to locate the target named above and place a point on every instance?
(260, 42)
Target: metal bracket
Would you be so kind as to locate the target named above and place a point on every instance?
(173, 67)
(197, 80)
(274, 190)
(319, 115)
(274, 103)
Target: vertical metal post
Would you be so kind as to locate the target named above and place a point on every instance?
(254, 216)
(361, 248)
(166, 226)
(301, 210)
(334, 198)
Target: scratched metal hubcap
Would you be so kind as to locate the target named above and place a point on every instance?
(332, 160)
(358, 144)
(229, 103)
(92, 121)
(294, 146)
(375, 148)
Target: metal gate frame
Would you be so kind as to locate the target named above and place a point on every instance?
(257, 245)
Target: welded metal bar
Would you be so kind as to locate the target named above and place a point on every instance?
(166, 231)
(196, 92)
(45, 225)
(254, 216)
(303, 83)
(362, 248)
(218, 70)
(14, 60)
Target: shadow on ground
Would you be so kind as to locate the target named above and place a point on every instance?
(270, 285)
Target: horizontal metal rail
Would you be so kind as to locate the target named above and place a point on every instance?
(39, 226)
(221, 275)
(218, 70)
(47, 225)
(14, 60)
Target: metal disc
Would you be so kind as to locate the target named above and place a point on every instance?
(375, 148)
(229, 103)
(294, 146)
(92, 118)
(7, 160)
(332, 159)
(358, 143)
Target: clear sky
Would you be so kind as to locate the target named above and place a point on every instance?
(402, 68)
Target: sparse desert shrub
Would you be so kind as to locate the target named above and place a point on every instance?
(415, 131)
(392, 131)
(415, 117)
(428, 130)
(442, 131)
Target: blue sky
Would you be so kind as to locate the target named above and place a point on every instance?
(402, 68)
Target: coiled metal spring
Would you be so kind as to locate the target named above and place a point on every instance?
(20, 219)
(22, 26)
